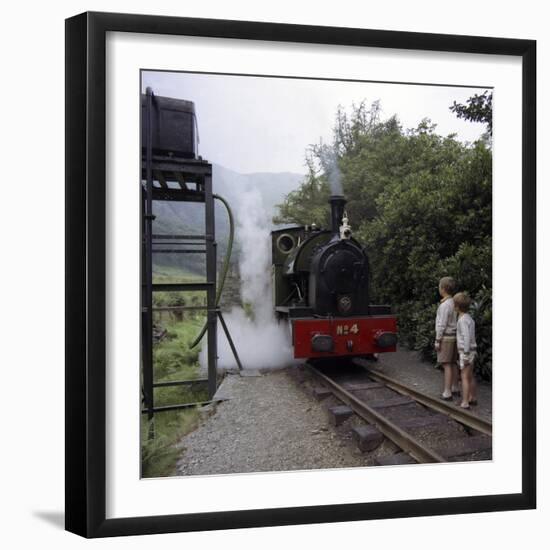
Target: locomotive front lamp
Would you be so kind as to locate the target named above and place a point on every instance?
(322, 343)
(386, 339)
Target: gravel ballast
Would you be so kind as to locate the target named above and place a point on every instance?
(273, 423)
(269, 424)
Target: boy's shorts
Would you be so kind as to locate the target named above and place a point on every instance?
(447, 350)
(466, 359)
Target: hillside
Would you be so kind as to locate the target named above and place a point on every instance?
(188, 218)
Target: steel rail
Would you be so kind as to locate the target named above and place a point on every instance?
(165, 408)
(456, 413)
(171, 383)
(402, 439)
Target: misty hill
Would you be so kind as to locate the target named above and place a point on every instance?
(188, 218)
(273, 186)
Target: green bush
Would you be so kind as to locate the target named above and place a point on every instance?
(470, 267)
(422, 205)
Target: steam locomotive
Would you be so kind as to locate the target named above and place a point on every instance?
(321, 288)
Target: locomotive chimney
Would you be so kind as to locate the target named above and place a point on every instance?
(337, 203)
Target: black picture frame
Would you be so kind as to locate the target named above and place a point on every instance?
(86, 263)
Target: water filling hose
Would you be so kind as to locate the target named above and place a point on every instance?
(225, 267)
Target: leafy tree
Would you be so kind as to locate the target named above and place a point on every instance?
(478, 108)
(421, 203)
(308, 204)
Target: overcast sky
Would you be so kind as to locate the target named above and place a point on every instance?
(260, 124)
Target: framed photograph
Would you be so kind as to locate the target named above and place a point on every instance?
(294, 256)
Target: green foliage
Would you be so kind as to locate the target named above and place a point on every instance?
(422, 205)
(160, 453)
(478, 108)
(173, 359)
(308, 202)
(482, 313)
(171, 274)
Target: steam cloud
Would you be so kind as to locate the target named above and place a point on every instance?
(261, 342)
(333, 173)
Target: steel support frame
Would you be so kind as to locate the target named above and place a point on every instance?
(147, 268)
(199, 172)
(211, 317)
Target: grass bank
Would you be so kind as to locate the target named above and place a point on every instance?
(173, 359)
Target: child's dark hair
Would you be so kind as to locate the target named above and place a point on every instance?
(462, 301)
(447, 284)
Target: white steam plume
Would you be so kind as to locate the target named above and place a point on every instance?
(334, 174)
(254, 261)
(261, 342)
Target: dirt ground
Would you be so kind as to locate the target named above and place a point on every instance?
(406, 367)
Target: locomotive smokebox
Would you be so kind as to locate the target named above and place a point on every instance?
(337, 203)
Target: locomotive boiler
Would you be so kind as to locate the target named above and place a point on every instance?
(321, 288)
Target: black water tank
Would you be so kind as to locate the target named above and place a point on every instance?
(173, 126)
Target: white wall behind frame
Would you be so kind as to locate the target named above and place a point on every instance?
(32, 457)
(128, 496)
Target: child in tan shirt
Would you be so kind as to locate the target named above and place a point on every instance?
(445, 337)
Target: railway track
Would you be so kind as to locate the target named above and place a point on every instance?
(425, 428)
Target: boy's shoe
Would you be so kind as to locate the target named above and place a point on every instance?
(446, 397)
(464, 406)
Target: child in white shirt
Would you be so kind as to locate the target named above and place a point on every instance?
(466, 343)
(445, 337)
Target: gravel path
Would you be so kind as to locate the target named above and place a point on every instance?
(269, 424)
